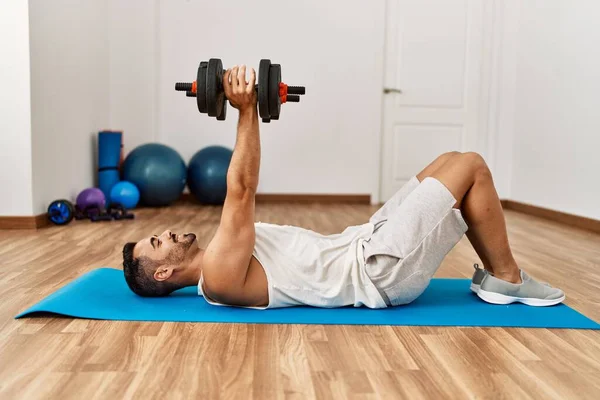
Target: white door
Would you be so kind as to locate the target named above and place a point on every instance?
(434, 54)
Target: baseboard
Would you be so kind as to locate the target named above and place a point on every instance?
(301, 198)
(313, 198)
(42, 221)
(557, 216)
(29, 222)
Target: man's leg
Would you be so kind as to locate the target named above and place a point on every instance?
(425, 227)
(473, 238)
(470, 181)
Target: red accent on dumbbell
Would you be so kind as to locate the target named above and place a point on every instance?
(283, 89)
(193, 87)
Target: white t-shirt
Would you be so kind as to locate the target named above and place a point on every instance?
(306, 268)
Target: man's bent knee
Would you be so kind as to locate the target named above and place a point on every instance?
(476, 164)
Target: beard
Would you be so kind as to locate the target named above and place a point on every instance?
(181, 249)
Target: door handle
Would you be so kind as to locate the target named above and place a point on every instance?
(391, 90)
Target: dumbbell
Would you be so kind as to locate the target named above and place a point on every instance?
(210, 96)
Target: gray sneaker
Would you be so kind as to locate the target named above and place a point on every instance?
(530, 292)
(478, 276)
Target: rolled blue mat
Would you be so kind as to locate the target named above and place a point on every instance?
(103, 294)
(109, 155)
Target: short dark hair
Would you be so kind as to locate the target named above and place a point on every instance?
(140, 281)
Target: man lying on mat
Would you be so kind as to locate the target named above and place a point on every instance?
(388, 261)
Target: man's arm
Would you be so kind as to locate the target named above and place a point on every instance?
(228, 255)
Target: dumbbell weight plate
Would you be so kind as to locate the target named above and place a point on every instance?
(274, 99)
(223, 113)
(263, 88)
(215, 96)
(201, 87)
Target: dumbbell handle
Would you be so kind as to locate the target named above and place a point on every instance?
(187, 87)
(183, 86)
(295, 90)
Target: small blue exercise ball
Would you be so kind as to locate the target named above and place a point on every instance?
(126, 194)
(158, 171)
(207, 174)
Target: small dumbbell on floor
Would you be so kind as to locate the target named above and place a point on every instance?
(210, 96)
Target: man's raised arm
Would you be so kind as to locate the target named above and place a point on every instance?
(228, 255)
(242, 177)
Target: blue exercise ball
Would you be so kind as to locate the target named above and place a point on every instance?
(207, 174)
(126, 194)
(158, 171)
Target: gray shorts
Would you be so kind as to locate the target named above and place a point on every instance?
(414, 231)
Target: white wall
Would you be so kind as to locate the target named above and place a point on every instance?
(316, 145)
(110, 64)
(556, 162)
(15, 117)
(502, 91)
(133, 60)
(70, 102)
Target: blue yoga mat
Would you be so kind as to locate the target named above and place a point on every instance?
(103, 294)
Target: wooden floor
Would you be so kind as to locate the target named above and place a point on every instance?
(64, 358)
